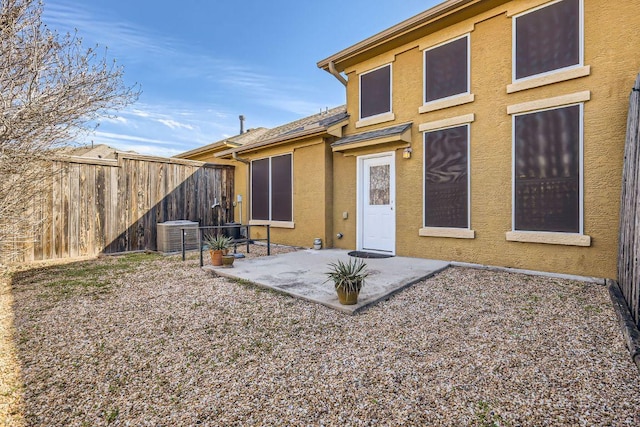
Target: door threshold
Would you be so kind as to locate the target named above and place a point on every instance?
(366, 254)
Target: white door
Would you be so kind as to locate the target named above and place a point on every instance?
(377, 231)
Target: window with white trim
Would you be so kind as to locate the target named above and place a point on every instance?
(272, 188)
(446, 70)
(547, 170)
(548, 39)
(375, 92)
(446, 177)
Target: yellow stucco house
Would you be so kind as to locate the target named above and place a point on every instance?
(481, 131)
(283, 177)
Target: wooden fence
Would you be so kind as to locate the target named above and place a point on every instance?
(629, 251)
(111, 206)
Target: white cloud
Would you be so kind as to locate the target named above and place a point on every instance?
(139, 113)
(124, 37)
(172, 124)
(214, 92)
(152, 150)
(114, 119)
(292, 105)
(124, 138)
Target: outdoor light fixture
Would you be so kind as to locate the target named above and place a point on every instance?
(406, 154)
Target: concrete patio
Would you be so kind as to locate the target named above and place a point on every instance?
(302, 274)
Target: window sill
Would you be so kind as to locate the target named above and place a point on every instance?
(556, 101)
(445, 123)
(446, 103)
(548, 79)
(454, 233)
(274, 224)
(550, 238)
(380, 118)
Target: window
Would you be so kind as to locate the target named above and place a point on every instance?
(446, 69)
(446, 177)
(548, 39)
(547, 170)
(271, 189)
(375, 92)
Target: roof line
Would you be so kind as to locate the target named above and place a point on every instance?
(283, 138)
(207, 147)
(394, 31)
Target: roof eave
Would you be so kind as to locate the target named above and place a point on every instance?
(274, 141)
(206, 148)
(331, 129)
(417, 21)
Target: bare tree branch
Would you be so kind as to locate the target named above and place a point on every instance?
(51, 89)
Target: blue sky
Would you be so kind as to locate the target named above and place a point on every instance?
(203, 63)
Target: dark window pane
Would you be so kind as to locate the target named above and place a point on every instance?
(281, 196)
(260, 189)
(375, 92)
(446, 70)
(547, 169)
(548, 39)
(446, 179)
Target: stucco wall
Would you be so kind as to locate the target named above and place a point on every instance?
(610, 49)
(312, 193)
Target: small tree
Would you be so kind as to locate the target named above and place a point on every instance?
(51, 89)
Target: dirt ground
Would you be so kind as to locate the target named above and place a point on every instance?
(151, 340)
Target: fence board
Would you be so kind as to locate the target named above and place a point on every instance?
(629, 245)
(98, 206)
(100, 209)
(73, 184)
(55, 236)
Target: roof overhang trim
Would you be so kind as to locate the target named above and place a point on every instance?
(214, 147)
(428, 16)
(373, 138)
(334, 129)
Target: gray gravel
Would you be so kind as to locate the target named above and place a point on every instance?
(164, 343)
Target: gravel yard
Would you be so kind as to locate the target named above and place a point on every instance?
(145, 340)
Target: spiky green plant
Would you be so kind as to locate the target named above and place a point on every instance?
(348, 276)
(217, 242)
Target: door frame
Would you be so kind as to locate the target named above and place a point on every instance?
(360, 197)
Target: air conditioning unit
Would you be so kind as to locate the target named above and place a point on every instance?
(170, 235)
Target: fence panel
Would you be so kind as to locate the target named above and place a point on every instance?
(629, 249)
(109, 206)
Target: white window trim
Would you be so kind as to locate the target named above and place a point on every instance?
(383, 114)
(448, 101)
(273, 224)
(544, 80)
(451, 122)
(550, 237)
(451, 101)
(271, 221)
(374, 120)
(453, 232)
(541, 76)
(549, 103)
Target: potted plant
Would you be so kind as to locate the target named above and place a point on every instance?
(217, 244)
(227, 260)
(348, 279)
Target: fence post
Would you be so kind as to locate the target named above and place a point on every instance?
(182, 238)
(248, 236)
(268, 239)
(200, 246)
